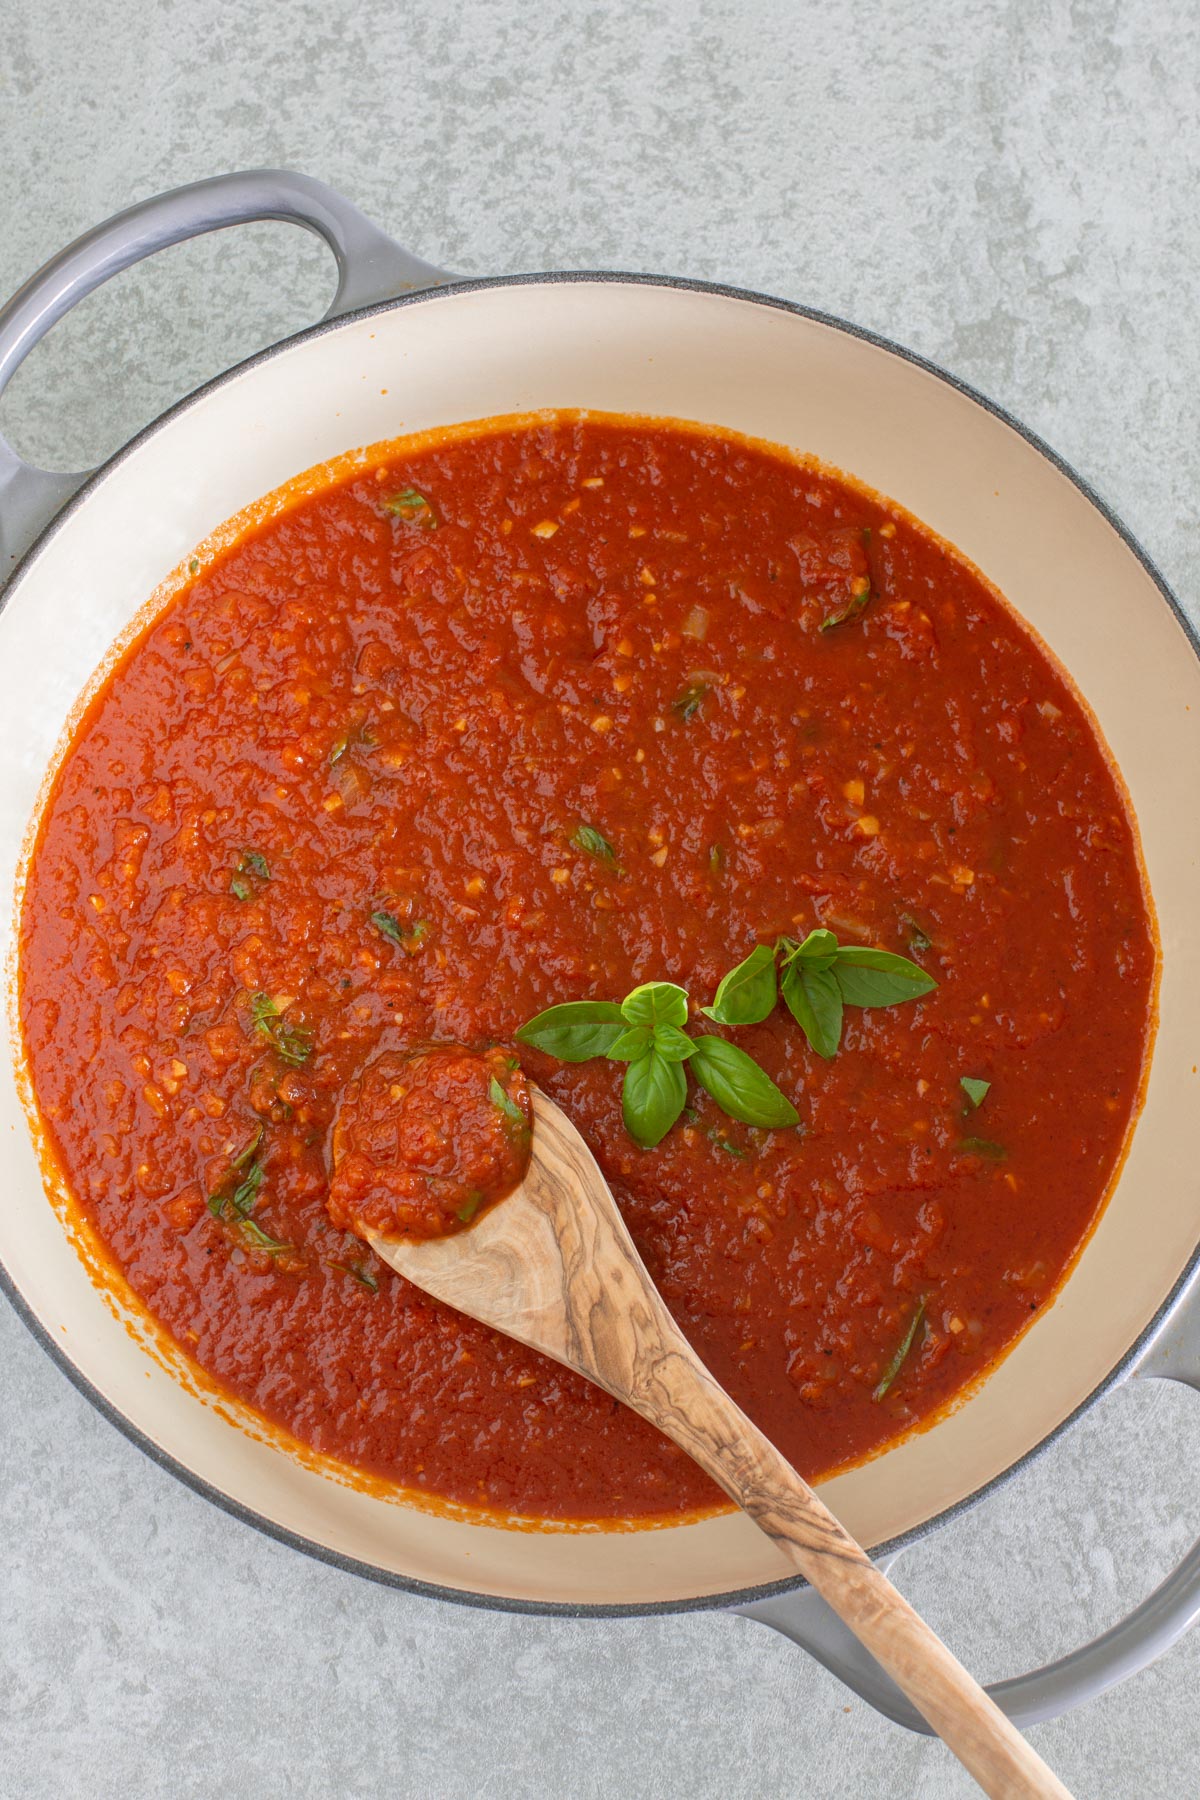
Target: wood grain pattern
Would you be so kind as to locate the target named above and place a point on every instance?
(554, 1267)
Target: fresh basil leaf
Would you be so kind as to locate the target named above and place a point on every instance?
(817, 947)
(656, 1003)
(575, 1032)
(878, 977)
(241, 890)
(974, 1089)
(748, 993)
(652, 1098)
(738, 1085)
(634, 1041)
(501, 1098)
(814, 1000)
(905, 1345)
(255, 863)
(672, 1043)
(593, 843)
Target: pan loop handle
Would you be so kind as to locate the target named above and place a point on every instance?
(371, 267)
(1172, 1354)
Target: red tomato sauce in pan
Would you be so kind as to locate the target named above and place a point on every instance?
(329, 808)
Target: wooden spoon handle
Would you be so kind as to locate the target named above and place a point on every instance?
(678, 1394)
(555, 1267)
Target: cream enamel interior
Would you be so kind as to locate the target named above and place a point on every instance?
(627, 347)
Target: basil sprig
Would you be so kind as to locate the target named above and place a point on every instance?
(646, 1031)
(816, 978)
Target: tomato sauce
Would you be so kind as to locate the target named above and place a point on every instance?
(349, 794)
(425, 1141)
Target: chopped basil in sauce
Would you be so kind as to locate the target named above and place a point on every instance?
(978, 1146)
(593, 843)
(902, 1349)
(246, 1153)
(362, 1273)
(917, 937)
(411, 508)
(291, 1042)
(260, 1239)
(242, 1199)
(409, 937)
(686, 705)
(501, 1099)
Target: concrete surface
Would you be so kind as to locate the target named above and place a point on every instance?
(1009, 188)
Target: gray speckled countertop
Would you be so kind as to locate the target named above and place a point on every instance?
(1009, 188)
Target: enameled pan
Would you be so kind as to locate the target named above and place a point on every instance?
(406, 347)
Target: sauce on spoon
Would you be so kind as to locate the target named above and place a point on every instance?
(426, 1140)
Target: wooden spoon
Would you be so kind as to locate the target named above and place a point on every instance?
(554, 1267)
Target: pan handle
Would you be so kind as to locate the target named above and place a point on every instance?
(371, 267)
(1171, 1354)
